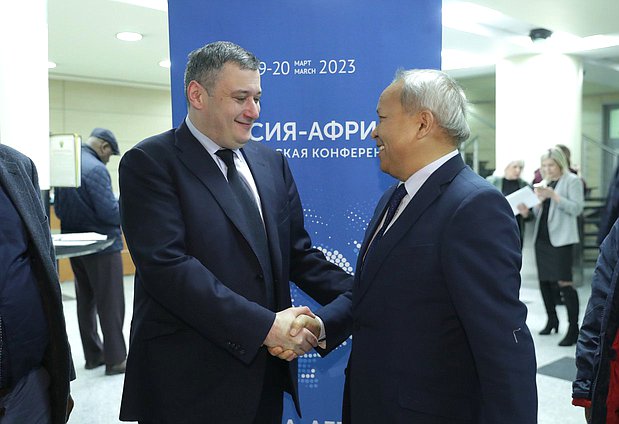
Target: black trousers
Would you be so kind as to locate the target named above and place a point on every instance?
(271, 406)
(99, 291)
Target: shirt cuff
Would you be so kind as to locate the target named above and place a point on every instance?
(322, 339)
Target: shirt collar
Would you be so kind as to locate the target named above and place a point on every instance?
(415, 181)
(206, 142)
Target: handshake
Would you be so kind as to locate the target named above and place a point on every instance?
(294, 332)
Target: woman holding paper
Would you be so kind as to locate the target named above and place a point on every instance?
(556, 231)
(509, 183)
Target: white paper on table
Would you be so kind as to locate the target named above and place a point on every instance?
(74, 237)
(524, 195)
(59, 243)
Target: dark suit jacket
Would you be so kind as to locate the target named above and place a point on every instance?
(439, 335)
(18, 177)
(199, 315)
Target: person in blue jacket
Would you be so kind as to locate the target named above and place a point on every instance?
(596, 387)
(92, 207)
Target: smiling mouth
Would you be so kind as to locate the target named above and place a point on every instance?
(245, 124)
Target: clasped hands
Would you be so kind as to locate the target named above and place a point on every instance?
(294, 332)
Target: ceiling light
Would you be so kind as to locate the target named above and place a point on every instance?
(452, 59)
(470, 12)
(165, 63)
(471, 18)
(129, 36)
(50, 64)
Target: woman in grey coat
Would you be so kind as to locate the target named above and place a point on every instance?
(556, 231)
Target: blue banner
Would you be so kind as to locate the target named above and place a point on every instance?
(324, 64)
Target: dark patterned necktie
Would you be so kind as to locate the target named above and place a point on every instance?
(394, 202)
(251, 213)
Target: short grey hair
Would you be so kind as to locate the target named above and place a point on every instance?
(517, 162)
(204, 64)
(440, 94)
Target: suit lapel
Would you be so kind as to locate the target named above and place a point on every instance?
(560, 191)
(427, 194)
(371, 230)
(195, 157)
(263, 177)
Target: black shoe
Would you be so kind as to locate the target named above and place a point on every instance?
(552, 324)
(116, 369)
(91, 365)
(571, 337)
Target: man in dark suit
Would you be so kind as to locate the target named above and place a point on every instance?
(439, 335)
(215, 227)
(35, 358)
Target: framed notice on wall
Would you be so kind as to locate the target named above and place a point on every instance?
(65, 155)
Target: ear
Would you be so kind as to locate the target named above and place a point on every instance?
(426, 122)
(194, 94)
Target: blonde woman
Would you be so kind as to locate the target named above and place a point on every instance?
(556, 231)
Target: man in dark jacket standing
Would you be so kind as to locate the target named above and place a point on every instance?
(98, 277)
(35, 358)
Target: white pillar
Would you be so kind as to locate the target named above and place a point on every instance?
(538, 105)
(24, 90)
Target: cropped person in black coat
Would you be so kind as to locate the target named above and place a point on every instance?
(35, 358)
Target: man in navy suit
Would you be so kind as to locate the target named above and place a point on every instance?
(439, 335)
(35, 357)
(215, 227)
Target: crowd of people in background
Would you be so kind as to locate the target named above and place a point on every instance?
(558, 217)
(556, 230)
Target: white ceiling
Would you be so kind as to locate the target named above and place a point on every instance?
(82, 39)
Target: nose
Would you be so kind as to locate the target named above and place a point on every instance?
(375, 132)
(253, 109)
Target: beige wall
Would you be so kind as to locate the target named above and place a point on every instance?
(131, 113)
(480, 92)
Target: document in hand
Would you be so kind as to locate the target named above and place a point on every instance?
(524, 195)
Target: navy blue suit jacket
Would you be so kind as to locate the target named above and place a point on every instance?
(18, 176)
(200, 313)
(439, 335)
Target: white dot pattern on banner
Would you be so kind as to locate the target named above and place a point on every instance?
(355, 225)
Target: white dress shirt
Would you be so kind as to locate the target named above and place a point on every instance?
(413, 184)
(239, 161)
